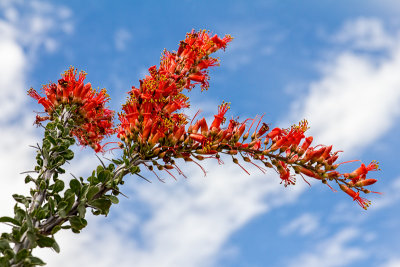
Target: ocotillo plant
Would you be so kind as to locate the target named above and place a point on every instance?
(154, 132)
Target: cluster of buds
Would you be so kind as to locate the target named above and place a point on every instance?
(92, 121)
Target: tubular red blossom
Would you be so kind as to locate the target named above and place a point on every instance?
(361, 172)
(197, 137)
(284, 174)
(307, 172)
(364, 203)
(275, 132)
(220, 117)
(365, 182)
(264, 128)
(306, 144)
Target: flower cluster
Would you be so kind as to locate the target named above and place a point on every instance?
(92, 120)
(151, 113)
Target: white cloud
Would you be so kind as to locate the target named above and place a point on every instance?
(392, 263)
(17, 43)
(391, 196)
(357, 98)
(303, 225)
(121, 39)
(365, 33)
(12, 68)
(334, 251)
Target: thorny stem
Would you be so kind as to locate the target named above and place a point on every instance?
(40, 195)
(48, 225)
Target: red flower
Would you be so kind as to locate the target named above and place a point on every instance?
(364, 203)
(220, 117)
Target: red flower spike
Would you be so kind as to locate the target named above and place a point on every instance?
(93, 121)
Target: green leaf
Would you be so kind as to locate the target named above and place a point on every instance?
(60, 170)
(60, 127)
(52, 205)
(19, 214)
(82, 209)
(113, 199)
(4, 262)
(46, 144)
(59, 160)
(62, 206)
(70, 200)
(103, 175)
(99, 169)
(4, 244)
(75, 186)
(102, 204)
(6, 219)
(55, 247)
(68, 155)
(21, 199)
(134, 170)
(58, 186)
(62, 213)
(41, 214)
(71, 140)
(9, 253)
(28, 179)
(23, 228)
(55, 229)
(36, 261)
(22, 254)
(117, 161)
(42, 185)
(93, 190)
(29, 221)
(31, 237)
(111, 167)
(45, 241)
(77, 223)
(84, 190)
(51, 140)
(16, 234)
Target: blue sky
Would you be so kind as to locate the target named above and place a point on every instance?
(335, 63)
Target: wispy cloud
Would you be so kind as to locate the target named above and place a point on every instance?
(390, 197)
(302, 225)
(365, 33)
(395, 262)
(355, 90)
(121, 39)
(249, 43)
(331, 252)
